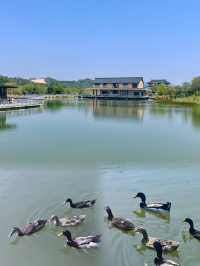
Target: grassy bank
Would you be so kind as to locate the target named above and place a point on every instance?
(189, 100)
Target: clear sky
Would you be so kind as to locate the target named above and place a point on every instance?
(73, 39)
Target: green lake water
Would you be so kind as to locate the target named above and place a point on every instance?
(107, 150)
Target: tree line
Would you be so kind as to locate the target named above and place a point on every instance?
(52, 86)
(184, 90)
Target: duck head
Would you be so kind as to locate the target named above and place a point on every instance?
(54, 218)
(143, 232)
(141, 195)
(67, 234)
(158, 247)
(190, 222)
(17, 231)
(109, 212)
(68, 201)
(143, 199)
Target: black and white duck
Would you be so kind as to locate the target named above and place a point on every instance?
(195, 233)
(148, 241)
(154, 206)
(67, 221)
(118, 222)
(85, 242)
(81, 204)
(159, 260)
(29, 229)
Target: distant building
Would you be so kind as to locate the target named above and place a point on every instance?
(39, 81)
(155, 82)
(6, 90)
(125, 87)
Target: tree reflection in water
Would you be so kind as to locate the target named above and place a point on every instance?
(3, 122)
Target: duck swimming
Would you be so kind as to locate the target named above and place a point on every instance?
(118, 222)
(29, 229)
(67, 221)
(81, 204)
(154, 206)
(159, 260)
(81, 242)
(167, 245)
(195, 233)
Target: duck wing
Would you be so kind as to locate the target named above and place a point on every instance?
(72, 221)
(28, 229)
(34, 227)
(159, 206)
(169, 245)
(82, 241)
(123, 224)
(84, 204)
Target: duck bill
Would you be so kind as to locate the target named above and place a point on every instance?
(60, 234)
(134, 196)
(137, 230)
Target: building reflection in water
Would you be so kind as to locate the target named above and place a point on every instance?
(114, 109)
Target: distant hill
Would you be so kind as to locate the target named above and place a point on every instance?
(80, 84)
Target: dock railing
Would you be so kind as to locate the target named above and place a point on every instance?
(20, 103)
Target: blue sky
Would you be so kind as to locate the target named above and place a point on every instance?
(73, 39)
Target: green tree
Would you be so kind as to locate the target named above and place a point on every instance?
(195, 87)
(4, 79)
(32, 88)
(161, 89)
(55, 89)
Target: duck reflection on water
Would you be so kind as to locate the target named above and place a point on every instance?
(142, 213)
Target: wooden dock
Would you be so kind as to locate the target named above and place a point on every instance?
(20, 105)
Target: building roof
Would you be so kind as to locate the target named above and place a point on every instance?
(39, 81)
(135, 80)
(159, 81)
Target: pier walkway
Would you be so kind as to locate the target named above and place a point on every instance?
(20, 105)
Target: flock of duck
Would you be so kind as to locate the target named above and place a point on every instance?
(93, 241)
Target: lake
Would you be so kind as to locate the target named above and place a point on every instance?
(104, 150)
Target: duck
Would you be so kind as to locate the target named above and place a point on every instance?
(28, 229)
(67, 221)
(81, 204)
(85, 242)
(195, 233)
(159, 260)
(167, 245)
(120, 223)
(154, 206)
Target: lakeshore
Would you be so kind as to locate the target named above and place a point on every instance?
(190, 100)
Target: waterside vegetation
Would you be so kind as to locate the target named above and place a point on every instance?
(187, 93)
